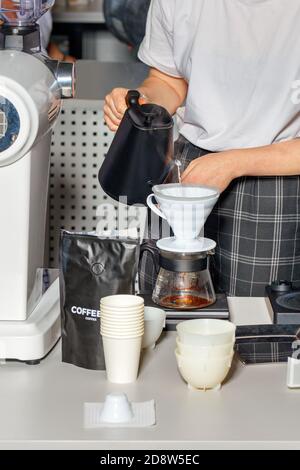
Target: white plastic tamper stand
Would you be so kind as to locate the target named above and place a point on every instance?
(293, 373)
(116, 409)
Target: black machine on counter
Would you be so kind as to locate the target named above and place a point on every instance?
(276, 342)
(218, 310)
(284, 298)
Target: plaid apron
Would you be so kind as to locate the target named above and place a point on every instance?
(256, 225)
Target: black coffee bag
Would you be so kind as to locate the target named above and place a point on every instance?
(91, 267)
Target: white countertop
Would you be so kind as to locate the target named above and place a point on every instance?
(90, 13)
(42, 406)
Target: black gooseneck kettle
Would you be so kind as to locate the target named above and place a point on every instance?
(141, 154)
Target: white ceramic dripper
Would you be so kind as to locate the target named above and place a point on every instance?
(186, 208)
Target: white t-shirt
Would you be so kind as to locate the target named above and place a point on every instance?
(241, 59)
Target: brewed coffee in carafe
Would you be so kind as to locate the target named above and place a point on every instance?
(184, 281)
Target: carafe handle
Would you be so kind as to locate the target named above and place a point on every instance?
(154, 207)
(146, 248)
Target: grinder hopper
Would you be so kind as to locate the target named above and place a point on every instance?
(23, 12)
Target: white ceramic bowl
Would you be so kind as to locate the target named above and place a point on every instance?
(203, 374)
(122, 301)
(216, 351)
(155, 320)
(206, 332)
(116, 409)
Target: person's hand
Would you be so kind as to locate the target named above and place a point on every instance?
(55, 53)
(115, 107)
(215, 169)
(10, 15)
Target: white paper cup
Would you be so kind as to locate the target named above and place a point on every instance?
(128, 335)
(122, 312)
(122, 316)
(122, 359)
(120, 308)
(121, 321)
(139, 329)
(121, 324)
(122, 301)
(122, 327)
(123, 331)
(118, 317)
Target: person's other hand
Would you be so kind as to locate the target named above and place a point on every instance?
(115, 107)
(215, 169)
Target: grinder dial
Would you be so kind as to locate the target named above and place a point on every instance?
(9, 124)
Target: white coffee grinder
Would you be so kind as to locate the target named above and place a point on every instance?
(184, 281)
(31, 89)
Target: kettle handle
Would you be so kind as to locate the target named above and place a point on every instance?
(132, 98)
(154, 208)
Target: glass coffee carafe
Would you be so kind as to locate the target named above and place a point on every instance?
(184, 281)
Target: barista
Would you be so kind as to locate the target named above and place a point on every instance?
(229, 70)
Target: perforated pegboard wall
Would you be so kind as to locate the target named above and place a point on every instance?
(77, 202)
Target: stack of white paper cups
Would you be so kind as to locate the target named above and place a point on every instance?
(122, 330)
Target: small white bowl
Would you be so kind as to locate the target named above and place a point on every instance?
(116, 409)
(155, 321)
(203, 374)
(206, 332)
(214, 351)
